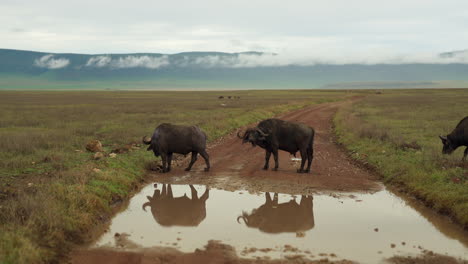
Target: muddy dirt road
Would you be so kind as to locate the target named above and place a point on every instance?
(236, 168)
(239, 166)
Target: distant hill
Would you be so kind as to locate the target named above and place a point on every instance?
(212, 70)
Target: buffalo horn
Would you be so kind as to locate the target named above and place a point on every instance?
(146, 204)
(261, 132)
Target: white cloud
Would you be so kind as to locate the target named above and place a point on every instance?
(250, 60)
(48, 61)
(150, 62)
(140, 61)
(98, 61)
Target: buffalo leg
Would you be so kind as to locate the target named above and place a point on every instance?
(267, 159)
(206, 158)
(194, 192)
(267, 198)
(303, 159)
(169, 191)
(169, 161)
(192, 161)
(275, 155)
(464, 154)
(310, 157)
(164, 162)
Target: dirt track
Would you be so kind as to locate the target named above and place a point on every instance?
(239, 166)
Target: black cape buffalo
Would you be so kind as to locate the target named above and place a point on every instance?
(458, 137)
(168, 139)
(275, 134)
(168, 210)
(274, 217)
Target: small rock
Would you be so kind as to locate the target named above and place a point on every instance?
(96, 170)
(300, 234)
(376, 229)
(392, 245)
(98, 156)
(112, 155)
(94, 146)
(30, 184)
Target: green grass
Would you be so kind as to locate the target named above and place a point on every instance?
(397, 133)
(50, 196)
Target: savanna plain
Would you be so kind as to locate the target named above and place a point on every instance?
(55, 196)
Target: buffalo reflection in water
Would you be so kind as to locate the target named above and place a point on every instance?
(168, 210)
(274, 217)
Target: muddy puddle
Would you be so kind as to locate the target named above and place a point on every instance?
(362, 227)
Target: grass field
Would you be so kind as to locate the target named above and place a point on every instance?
(50, 194)
(396, 132)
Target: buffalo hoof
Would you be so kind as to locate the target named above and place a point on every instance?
(187, 169)
(265, 168)
(207, 169)
(300, 171)
(274, 169)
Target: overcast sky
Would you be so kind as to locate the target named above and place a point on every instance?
(328, 28)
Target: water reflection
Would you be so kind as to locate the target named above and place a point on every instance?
(274, 217)
(168, 210)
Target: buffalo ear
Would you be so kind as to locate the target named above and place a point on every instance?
(444, 139)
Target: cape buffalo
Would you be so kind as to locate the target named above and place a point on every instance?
(458, 137)
(275, 134)
(274, 217)
(168, 210)
(168, 139)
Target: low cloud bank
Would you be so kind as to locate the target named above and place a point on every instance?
(150, 62)
(252, 60)
(49, 62)
(274, 60)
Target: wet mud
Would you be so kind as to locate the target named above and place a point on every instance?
(339, 212)
(365, 228)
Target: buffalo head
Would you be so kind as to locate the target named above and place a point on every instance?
(449, 146)
(255, 136)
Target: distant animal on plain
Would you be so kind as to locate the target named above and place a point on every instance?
(458, 137)
(168, 139)
(229, 97)
(275, 134)
(221, 97)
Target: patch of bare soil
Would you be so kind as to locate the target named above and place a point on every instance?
(239, 166)
(214, 252)
(427, 258)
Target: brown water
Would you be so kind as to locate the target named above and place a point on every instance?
(354, 226)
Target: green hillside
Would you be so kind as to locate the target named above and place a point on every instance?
(210, 70)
